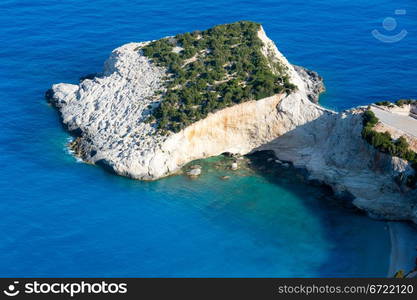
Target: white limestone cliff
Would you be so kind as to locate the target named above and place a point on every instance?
(333, 151)
(109, 111)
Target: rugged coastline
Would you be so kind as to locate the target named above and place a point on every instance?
(108, 115)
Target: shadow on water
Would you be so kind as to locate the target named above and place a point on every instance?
(332, 212)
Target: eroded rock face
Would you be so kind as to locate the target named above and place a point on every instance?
(313, 81)
(108, 112)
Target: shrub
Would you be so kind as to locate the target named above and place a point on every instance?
(369, 118)
(400, 102)
(383, 103)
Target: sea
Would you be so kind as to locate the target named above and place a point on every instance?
(60, 217)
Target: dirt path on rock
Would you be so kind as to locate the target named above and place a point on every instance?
(404, 123)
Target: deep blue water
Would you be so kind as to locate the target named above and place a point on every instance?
(63, 218)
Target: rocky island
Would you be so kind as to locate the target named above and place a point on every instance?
(159, 105)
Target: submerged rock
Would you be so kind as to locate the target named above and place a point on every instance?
(194, 172)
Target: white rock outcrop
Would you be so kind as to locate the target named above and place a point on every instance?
(108, 112)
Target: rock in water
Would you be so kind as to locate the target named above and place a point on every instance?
(194, 172)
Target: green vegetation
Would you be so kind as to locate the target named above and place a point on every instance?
(405, 101)
(384, 142)
(385, 103)
(398, 102)
(213, 69)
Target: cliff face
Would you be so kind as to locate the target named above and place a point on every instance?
(108, 114)
(332, 150)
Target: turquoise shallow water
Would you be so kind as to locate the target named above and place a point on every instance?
(63, 218)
